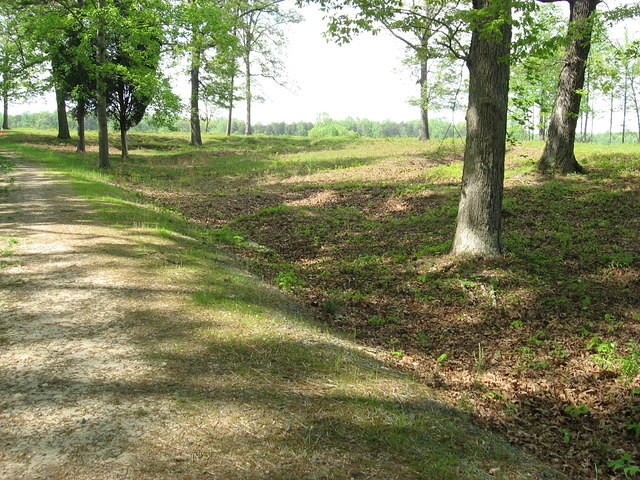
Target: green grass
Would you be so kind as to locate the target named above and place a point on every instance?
(310, 403)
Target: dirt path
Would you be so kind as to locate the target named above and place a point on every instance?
(63, 342)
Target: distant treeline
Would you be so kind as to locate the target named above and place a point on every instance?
(360, 127)
(327, 127)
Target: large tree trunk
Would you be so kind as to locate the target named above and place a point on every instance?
(248, 129)
(196, 136)
(63, 124)
(424, 109)
(480, 211)
(80, 114)
(5, 111)
(101, 97)
(558, 152)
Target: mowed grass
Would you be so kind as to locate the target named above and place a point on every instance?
(541, 344)
(259, 389)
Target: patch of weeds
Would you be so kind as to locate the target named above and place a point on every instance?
(287, 279)
(377, 321)
(566, 435)
(576, 411)
(531, 361)
(480, 363)
(493, 395)
(516, 324)
(422, 338)
(607, 356)
(538, 338)
(511, 408)
(437, 249)
(635, 428)
(625, 464)
(330, 306)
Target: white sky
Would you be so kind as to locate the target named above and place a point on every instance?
(363, 79)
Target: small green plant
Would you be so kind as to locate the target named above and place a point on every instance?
(577, 410)
(422, 338)
(625, 464)
(537, 339)
(635, 428)
(516, 324)
(441, 359)
(287, 280)
(493, 395)
(480, 361)
(330, 306)
(398, 353)
(566, 435)
(377, 321)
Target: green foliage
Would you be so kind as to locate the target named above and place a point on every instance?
(577, 410)
(326, 127)
(287, 280)
(625, 464)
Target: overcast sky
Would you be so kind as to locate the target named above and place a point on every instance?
(364, 79)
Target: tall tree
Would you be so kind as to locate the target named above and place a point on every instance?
(261, 37)
(558, 154)
(478, 228)
(206, 28)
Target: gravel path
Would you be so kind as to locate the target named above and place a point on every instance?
(65, 353)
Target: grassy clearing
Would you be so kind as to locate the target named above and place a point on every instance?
(541, 344)
(256, 389)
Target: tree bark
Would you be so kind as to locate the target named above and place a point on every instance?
(558, 151)
(101, 95)
(636, 105)
(5, 111)
(478, 229)
(424, 109)
(624, 102)
(611, 116)
(196, 136)
(230, 113)
(124, 142)
(248, 130)
(80, 114)
(63, 123)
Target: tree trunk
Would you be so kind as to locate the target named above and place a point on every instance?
(196, 136)
(248, 129)
(424, 108)
(124, 142)
(585, 126)
(611, 116)
(636, 105)
(63, 124)
(80, 114)
(230, 113)
(624, 103)
(480, 210)
(101, 96)
(5, 111)
(559, 149)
